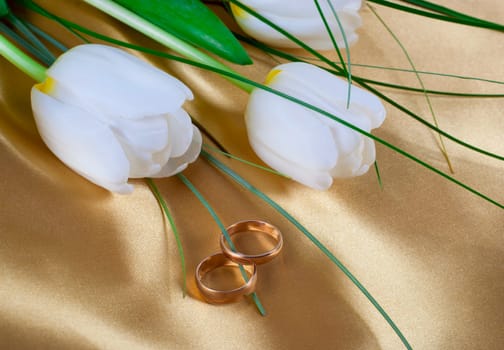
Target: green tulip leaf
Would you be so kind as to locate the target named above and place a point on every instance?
(193, 22)
(4, 9)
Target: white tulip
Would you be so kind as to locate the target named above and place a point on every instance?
(303, 144)
(110, 116)
(301, 19)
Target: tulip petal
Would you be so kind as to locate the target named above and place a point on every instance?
(345, 138)
(302, 19)
(140, 138)
(147, 134)
(178, 164)
(294, 132)
(349, 164)
(181, 131)
(162, 156)
(331, 89)
(84, 144)
(320, 180)
(310, 30)
(367, 105)
(109, 81)
(368, 156)
(358, 162)
(142, 164)
(290, 8)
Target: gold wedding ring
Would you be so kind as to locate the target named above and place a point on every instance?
(252, 226)
(216, 296)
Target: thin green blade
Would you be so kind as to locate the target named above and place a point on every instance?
(4, 9)
(192, 21)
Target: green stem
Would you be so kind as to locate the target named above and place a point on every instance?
(348, 68)
(466, 21)
(46, 37)
(244, 161)
(23, 44)
(219, 223)
(410, 60)
(164, 206)
(331, 35)
(378, 175)
(152, 31)
(347, 71)
(431, 92)
(450, 12)
(32, 38)
(21, 60)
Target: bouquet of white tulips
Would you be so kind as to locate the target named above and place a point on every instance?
(111, 117)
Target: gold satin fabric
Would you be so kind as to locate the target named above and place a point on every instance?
(81, 268)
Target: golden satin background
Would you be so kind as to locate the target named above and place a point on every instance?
(81, 268)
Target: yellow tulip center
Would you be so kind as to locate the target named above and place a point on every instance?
(238, 11)
(47, 86)
(270, 78)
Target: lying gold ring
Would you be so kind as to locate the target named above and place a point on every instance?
(252, 226)
(215, 296)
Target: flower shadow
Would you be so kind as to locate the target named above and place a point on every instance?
(74, 267)
(436, 244)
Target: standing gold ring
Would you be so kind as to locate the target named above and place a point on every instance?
(252, 226)
(215, 296)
